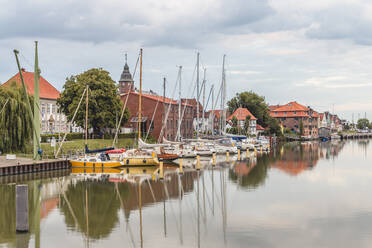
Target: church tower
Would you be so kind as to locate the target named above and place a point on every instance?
(126, 83)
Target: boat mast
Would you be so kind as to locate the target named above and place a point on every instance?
(212, 114)
(140, 96)
(179, 106)
(86, 116)
(36, 105)
(197, 96)
(223, 95)
(204, 83)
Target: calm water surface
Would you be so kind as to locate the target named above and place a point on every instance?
(300, 195)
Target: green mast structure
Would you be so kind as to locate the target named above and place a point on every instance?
(35, 125)
(37, 156)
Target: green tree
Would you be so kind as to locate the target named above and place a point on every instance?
(15, 121)
(234, 121)
(362, 123)
(258, 107)
(301, 128)
(246, 123)
(104, 102)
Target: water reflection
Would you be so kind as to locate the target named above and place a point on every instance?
(96, 208)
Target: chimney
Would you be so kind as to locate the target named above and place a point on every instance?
(23, 69)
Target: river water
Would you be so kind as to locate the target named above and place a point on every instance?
(299, 195)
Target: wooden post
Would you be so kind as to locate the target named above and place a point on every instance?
(21, 208)
(161, 169)
(247, 152)
(238, 154)
(214, 159)
(227, 156)
(198, 162)
(255, 151)
(181, 166)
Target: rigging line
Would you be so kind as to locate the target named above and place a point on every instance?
(168, 111)
(135, 68)
(26, 60)
(121, 118)
(210, 93)
(190, 96)
(152, 119)
(184, 108)
(71, 122)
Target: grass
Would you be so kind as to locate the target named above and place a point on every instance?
(78, 146)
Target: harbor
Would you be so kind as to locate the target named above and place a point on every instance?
(201, 124)
(212, 206)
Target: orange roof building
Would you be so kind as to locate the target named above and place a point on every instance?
(241, 114)
(51, 120)
(292, 115)
(46, 90)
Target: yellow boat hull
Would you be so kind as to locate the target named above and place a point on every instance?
(140, 161)
(106, 164)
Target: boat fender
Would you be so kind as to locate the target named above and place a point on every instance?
(144, 161)
(94, 165)
(84, 163)
(127, 161)
(102, 164)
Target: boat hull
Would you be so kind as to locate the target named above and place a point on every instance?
(140, 162)
(105, 164)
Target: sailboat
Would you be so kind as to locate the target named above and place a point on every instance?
(101, 157)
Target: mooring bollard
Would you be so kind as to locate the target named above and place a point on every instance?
(227, 156)
(238, 154)
(198, 162)
(214, 159)
(161, 169)
(21, 208)
(181, 165)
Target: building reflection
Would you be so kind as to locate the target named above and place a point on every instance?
(295, 159)
(250, 173)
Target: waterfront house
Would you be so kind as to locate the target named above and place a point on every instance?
(241, 114)
(292, 115)
(51, 120)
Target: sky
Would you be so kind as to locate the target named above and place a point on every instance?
(318, 53)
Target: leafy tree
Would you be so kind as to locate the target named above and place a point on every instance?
(246, 123)
(104, 102)
(362, 123)
(301, 128)
(15, 122)
(234, 121)
(258, 107)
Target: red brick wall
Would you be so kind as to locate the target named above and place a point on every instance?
(148, 108)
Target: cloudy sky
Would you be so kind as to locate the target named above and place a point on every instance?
(318, 52)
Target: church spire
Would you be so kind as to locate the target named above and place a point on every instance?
(126, 81)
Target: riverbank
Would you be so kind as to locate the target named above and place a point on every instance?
(78, 146)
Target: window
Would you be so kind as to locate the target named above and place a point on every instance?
(53, 109)
(294, 112)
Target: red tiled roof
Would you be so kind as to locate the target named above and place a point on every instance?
(273, 107)
(216, 113)
(292, 106)
(292, 109)
(259, 127)
(157, 98)
(46, 90)
(241, 114)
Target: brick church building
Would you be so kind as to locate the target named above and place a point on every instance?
(153, 103)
